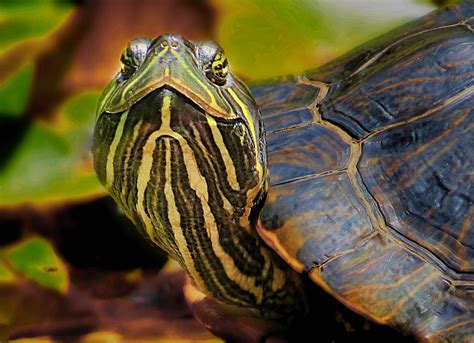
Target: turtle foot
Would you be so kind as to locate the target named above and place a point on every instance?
(231, 323)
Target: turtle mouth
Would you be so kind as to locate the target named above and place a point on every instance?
(179, 96)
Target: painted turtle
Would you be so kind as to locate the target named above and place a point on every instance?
(358, 173)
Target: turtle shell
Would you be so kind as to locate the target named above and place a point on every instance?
(371, 161)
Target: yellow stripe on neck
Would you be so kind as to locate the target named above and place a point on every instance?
(174, 218)
(109, 168)
(228, 162)
(128, 152)
(144, 170)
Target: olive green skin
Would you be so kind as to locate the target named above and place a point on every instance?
(371, 161)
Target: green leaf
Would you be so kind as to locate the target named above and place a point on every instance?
(37, 261)
(52, 162)
(15, 90)
(28, 19)
(25, 28)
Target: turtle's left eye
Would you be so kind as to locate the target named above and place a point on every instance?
(133, 56)
(218, 69)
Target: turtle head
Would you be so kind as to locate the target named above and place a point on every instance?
(179, 144)
(196, 87)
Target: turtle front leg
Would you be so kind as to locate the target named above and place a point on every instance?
(232, 323)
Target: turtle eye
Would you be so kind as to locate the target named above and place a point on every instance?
(218, 69)
(133, 56)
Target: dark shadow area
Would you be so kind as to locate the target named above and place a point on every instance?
(97, 234)
(12, 131)
(330, 321)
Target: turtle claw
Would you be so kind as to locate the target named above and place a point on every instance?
(232, 323)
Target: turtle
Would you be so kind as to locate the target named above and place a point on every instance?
(357, 174)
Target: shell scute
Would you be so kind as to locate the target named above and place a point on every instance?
(283, 95)
(313, 216)
(305, 151)
(280, 121)
(408, 79)
(383, 280)
(419, 174)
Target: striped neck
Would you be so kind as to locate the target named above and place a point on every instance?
(190, 182)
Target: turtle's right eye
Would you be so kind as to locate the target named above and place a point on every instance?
(218, 69)
(133, 56)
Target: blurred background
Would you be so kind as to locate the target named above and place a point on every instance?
(70, 267)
